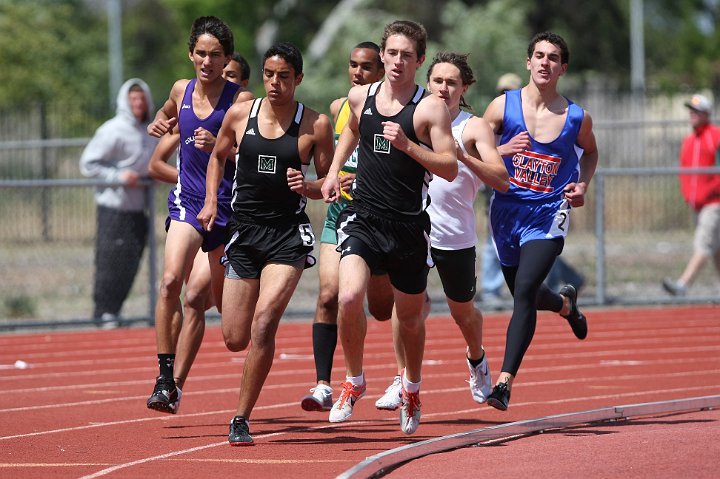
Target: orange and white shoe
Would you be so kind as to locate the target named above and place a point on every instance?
(409, 411)
(343, 407)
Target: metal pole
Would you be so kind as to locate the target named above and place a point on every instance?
(637, 66)
(115, 52)
(152, 254)
(600, 276)
(637, 46)
(44, 152)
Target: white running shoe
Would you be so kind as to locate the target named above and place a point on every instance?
(391, 400)
(410, 412)
(480, 380)
(319, 400)
(343, 407)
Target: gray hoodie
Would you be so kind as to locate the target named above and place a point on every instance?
(121, 143)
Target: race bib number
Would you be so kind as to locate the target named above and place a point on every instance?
(307, 235)
(561, 222)
(352, 162)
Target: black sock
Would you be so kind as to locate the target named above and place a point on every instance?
(167, 365)
(476, 362)
(324, 343)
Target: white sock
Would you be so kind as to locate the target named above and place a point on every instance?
(410, 387)
(356, 380)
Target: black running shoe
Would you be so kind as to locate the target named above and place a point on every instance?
(240, 432)
(499, 397)
(577, 320)
(674, 288)
(166, 396)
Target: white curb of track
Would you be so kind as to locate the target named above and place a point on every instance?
(380, 464)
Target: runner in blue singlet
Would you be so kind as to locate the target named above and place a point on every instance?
(549, 150)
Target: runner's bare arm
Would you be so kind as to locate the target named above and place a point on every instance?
(433, 121)
(166, 117)
(159, 168)
(216, 165)
(346, 144)
(575, 192)
(488, 165)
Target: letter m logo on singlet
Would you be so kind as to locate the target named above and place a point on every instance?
(266, 164)
(381, 144)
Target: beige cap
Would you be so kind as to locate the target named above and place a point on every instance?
(508, 81)
(699, 103)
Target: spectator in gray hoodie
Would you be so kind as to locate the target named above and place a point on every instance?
(119, 153)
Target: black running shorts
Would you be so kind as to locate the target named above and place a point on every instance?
(399, 247)
(456, 269)
(253, 245)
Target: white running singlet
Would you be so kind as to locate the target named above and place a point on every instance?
(451, 202)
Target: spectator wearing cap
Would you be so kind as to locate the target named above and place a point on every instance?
(700, 149)
(508, 81)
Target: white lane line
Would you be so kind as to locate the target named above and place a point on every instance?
(298, 346)
(23, 465)
(300, 386)
(117, 467)
(430, 353)
(615, 356)
(137, 462)
(146, 460)
(425, 392)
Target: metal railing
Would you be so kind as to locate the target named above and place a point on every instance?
(87, 184)
(645, 242)
(599, 191)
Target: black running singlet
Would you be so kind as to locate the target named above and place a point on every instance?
(389, 182)
(260, 189)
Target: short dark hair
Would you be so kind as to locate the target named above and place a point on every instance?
(553, 38)
(244, 66)
(288, 52)
(412, 30)
(215, 27)
(371, 46)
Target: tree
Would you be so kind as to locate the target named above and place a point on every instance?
(46, 55)
(682, 42)
(482, 31)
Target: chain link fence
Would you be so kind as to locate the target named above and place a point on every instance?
(634, 230)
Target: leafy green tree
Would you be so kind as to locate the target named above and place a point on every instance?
(597, 33)
(482, 31)
(51, 51)
(151, 35)
(284, 20)
(243, 18)
(682, 41)
(56, 50)
(683, 44)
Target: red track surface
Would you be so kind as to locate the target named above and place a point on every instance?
(79, 410)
